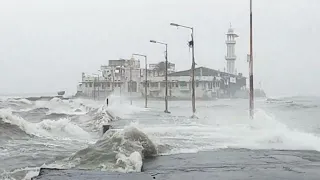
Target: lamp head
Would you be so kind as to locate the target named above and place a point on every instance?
(174, 24)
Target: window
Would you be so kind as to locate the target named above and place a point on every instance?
(154, 84)
(183, 84)
(144, 84)
(134, 86)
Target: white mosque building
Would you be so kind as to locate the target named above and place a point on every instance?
(126, 78)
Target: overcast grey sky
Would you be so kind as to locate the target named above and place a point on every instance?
(46, 44)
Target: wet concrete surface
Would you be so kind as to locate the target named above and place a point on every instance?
(223, 164)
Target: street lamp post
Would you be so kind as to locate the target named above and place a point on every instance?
(191, 44)
(98, 85)
(251, 103)
(130, 83)
(94, 89)
(146, 79)
(166, 74)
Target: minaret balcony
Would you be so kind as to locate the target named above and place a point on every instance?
(230, 42)
(231, 57)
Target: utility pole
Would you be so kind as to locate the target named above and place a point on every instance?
(112, 79)
(120, 81)
(146, 84)
(251, 104)
(191, 44)
(193, 67)
(98, 87)
(94, 86)
(166, 74)
(94, 89)
(131, 82)
(166, 79)
(146, 78)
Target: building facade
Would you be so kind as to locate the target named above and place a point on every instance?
(130, 81)
(209, 84)
(124, 77)
(120, 77)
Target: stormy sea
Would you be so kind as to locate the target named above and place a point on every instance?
(281, 141)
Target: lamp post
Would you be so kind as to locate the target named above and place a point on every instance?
(191, 44)
(251, 103)
(166, 74)
(130, 82)
(98, 86)
(146, 79)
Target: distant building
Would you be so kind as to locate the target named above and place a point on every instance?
(210, 83)
(126, 77)
(120, 77)
(114, 77)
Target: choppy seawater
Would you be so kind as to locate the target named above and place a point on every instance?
(67, 133)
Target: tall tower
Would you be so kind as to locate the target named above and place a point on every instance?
(231, 57)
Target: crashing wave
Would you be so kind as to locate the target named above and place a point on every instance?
(55, 99)
(118, 150)
(38, 110)
(23, 101)
(57, 106)
(291, 103)
(57, 116)
(301, 106)
(10, 131)
(61, 128)
(100, 116)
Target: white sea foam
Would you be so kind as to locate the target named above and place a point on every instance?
(24, 101)
(59, 106)
(218, 126)
(121, 107)
(61, 128)
(262, 132)
(118, 150)
(267, 132)
(133, 163)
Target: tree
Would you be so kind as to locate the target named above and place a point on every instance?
(161, 67)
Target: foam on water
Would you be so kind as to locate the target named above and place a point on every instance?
(118, 150)
(61, 128)
(267, 132)
(219, 125)
(58, 106)
(120, 107)
(24, 101)
(262, 132)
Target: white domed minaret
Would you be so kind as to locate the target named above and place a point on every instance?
(231, 57)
